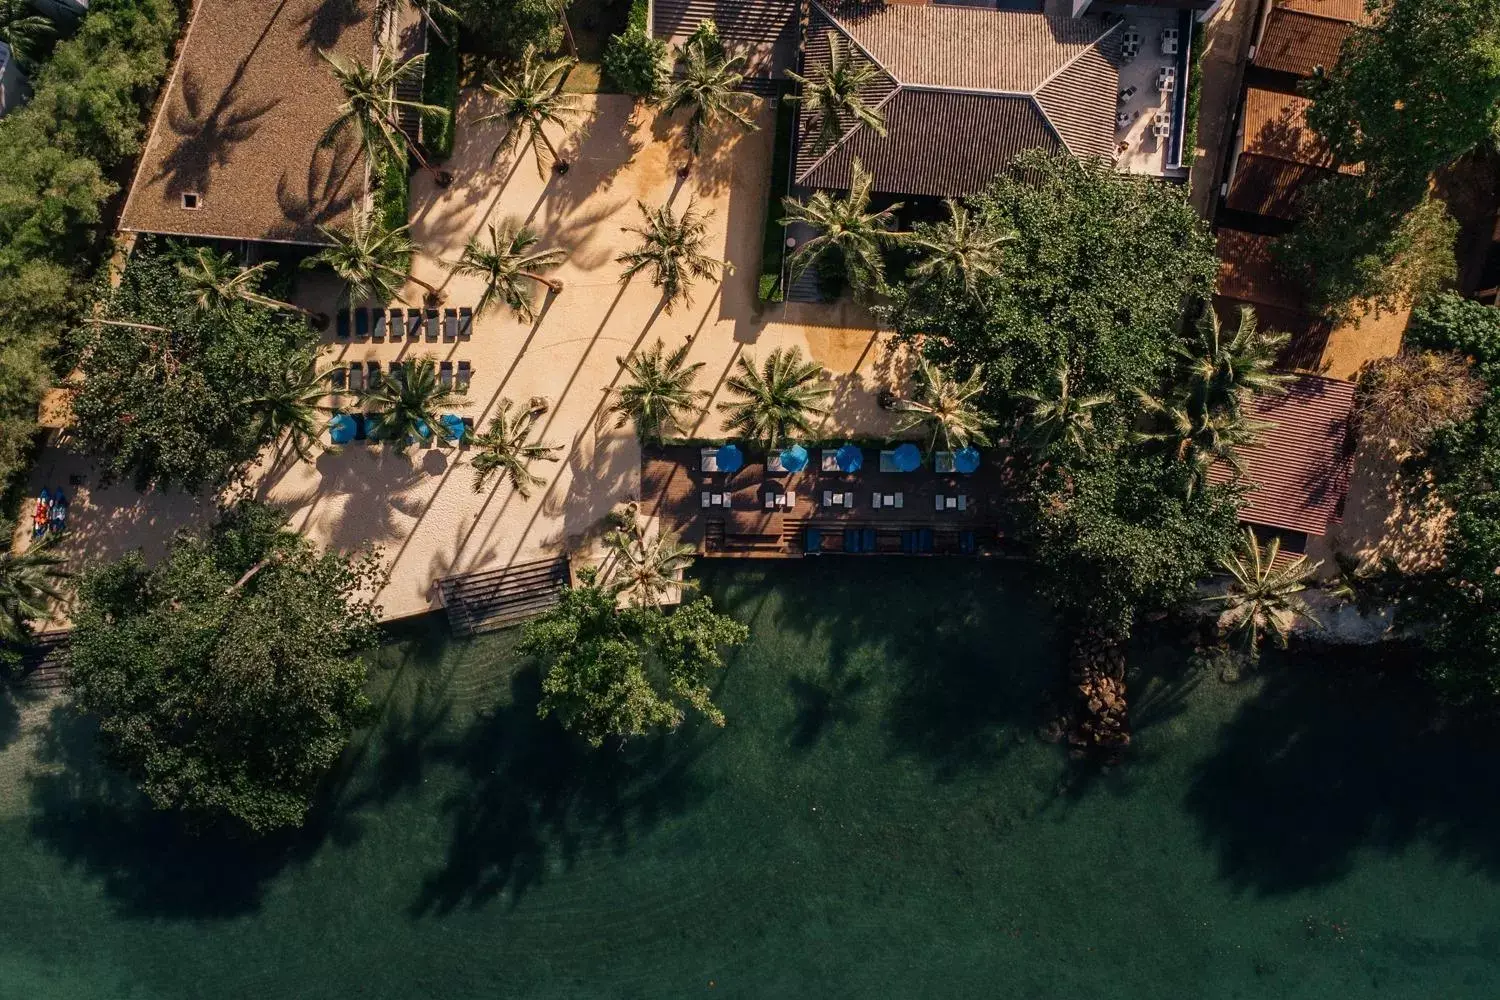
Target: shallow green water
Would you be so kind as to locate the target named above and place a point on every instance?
(876, 821)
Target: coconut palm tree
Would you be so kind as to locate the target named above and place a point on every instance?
(1057, 422)
(506, 448)
(289, 409)
(406, 409)
(27, 582)
(1200, 437)
(372, 108)
(531, 100)
(672, 247)
(707, 85)
(963, 249)
(644, 569)
(846, 226)
(215, 281)
(946, 405)
(1263, 596)
(777, 399)
(510, 267)
(1218, 373)
(373, 261)
(834, 94)
(25, 31)
(659, 392)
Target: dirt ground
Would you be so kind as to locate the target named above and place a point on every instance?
(1387, 515)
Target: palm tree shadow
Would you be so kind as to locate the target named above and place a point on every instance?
(326, 22)
(207, 135)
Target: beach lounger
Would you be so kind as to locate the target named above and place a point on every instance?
(450, 324)
(830, 460)
(431, 319)
(963, 502)
(828, 498)
(924, 540)
(938, 502)
(341, 325)
(867, 542)
(372, 375)
(445, 374)
(791, 498)
(57, 520)
(849, 501)
(397, 373)
(851, 539)
(770, 500)
(413, 324)
(875, 501)
(356, 376)
(900, 500)
(377, 325)
(888, 460)
(361, 426)
(966, 543)
(707, 501)
(361, 324)
(813, 542)
(396, 324)
(727, 497)
(461, 382)
(465, 322)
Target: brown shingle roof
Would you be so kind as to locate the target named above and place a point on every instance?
(1247, 272)
(240, 125)
(1279, 154)
(1298, 471)
(765, 30)
(1298, 42)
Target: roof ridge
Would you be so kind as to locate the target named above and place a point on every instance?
(852, 41)
(1051, 124)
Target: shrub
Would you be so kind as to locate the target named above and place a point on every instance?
(393, 196)
(440, 88)
(1405, 399)
(505, 27)
(634, 62)
(773, 248)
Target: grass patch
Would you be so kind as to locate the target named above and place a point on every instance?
(593, 22)
(440, 88)
(773, 246)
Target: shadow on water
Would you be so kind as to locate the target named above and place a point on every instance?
(1337, 754)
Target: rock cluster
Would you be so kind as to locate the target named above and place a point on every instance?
(1100, 717)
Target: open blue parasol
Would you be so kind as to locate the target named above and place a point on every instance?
(794, 458)
(850, 458)
(966, 460)
(341, 428)
(730, 458)
(908, 457)
(453, 424)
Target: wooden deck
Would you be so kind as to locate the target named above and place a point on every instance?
(830, 512)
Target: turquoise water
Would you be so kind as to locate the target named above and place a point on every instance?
(877, 820)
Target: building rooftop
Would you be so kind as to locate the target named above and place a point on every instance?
(764, 30)
(1277, 155)
(234, 151)
(1301, 35)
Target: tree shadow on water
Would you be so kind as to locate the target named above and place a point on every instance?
(536, 799)
(1336, 757)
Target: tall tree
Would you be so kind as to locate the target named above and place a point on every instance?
(214, 281)
(778, 399)
(529, 100)
(227, 678)
(373, 261)
(847, 228)
(372, 106)
(835, 95)
(658, 392)
(960, 250)
(671, 247)
(510, 267)
(946, 406)
(29, 582)
(1199, 438)
(611, 673)
(645, 570)
(407, 409)
(290, 409)
(508, 448)
(1056, 423)
(707, 86)
(1262, 596)
(26, 31)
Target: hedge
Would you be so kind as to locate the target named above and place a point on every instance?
(1194, 97)
(773, 245)
(393, 196)
(440, 88)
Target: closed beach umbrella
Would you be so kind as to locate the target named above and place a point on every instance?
(730, 458)
(966, 460)
(850, 458)
(908, 458)
(794, 459)
(454, 425)
(341, 428)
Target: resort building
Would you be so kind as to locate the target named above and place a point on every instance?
(1297, 39)
(1276, 155)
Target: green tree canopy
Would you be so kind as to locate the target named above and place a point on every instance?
(227, 678)
(611, 672)
(167, 407)
(506, 27)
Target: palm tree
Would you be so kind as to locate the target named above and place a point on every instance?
(405, 407)
(845, 226)
(1263, 595)
(373, 261)
(946, 405)
(530, 101)
(25, 31)
(289, 409)
(27, 582)
(505, 448)
(660, 392)
(833, 95)
(962, 250)
(1201, 438)
(215, 282)
(372, 108)
(672, 247)
(707, 84)
(1219, 373)
(1057, 422)
(509, 267)
(777, 399)
(646, 570)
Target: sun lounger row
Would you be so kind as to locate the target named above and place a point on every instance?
(379, 325)
(366, 376)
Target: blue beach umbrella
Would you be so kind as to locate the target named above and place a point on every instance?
(454, 425)
(794, 458)
(423, 431)
(850, 458)
(966, 460)
(908, 457)
(730, 458)
(341, 428)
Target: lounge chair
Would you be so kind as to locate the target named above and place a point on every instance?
(398, 372)
(830, 460)
(431, 321)
(707, 499)
(450, 324)
(338, 378)
(362, 426)
(341, 325)
(461, 382)
(813, 542)
(708, 459)
(849, 501)
(827, 498)
(465, 322)
(791, 498)
(938, 504)
(361, 324)
(377, 325)
(900, 500)
(867, 543)
(875, 501)
(942, 462)
(963, 502)
(396, 324)
(924, 540)
(372, 375)
(356, 376)
(770, 500)
(57, 520)
(413, 324)
(445, 374)
(851, 539)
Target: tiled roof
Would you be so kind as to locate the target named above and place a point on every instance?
(1247, 272)
(1267, 185)
(241, 122)
(765, 30)
(964, 89)
(1297, 472)
(1352, 11)
(1297, 42)
(1279, 155)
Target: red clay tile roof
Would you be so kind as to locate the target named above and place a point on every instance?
(240, 126)
(765, 30)
(1265, 185)
(1298, 472)
(1298, 42)
(1247, 272)
(1352, 11)
(1279, 154)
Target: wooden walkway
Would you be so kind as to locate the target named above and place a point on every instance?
(483, 602)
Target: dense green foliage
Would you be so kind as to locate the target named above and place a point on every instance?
(773, 246)
(635, 63)
(170, 407)
(84, 120)
(440, 89)
(611, 672)
(227, 679)
(506, 27)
